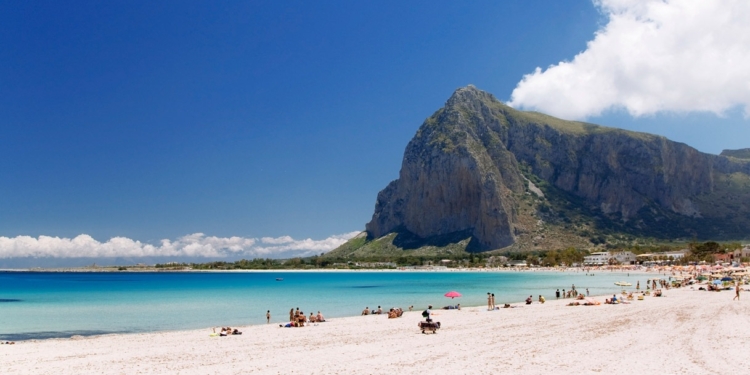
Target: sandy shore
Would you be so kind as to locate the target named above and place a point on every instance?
(685, 332)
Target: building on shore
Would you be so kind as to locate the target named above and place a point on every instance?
(609, 257)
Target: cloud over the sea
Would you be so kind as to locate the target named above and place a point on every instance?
(193, 245)
(651, 56)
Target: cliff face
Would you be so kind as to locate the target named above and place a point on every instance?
(465, 171)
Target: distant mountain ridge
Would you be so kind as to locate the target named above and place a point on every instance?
(495, 177)
(743, 153)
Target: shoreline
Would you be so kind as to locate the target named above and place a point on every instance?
(686, 331)
(331, 270)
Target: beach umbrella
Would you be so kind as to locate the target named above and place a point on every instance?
(717, 282)
(453, 294)
(726, 279)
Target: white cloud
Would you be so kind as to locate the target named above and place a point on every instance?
(651, 56)
(193, 245)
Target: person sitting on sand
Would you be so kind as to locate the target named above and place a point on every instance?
(312, 318)
(366, 311)
(302, 319)
(378, 311)
(541, 299)
(458, 306)
(529, 300)
(320, 317)
(506, 306)
(399, 312)
(223, 332)
(236, 332)
(392, 314)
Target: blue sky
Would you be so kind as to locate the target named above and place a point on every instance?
(267, 119)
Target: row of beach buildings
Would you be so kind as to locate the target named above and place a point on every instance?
(627, 257)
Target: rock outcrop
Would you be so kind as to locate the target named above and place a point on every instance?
(465, 171)
(743, 153)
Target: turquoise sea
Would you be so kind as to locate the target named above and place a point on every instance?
(45, 305)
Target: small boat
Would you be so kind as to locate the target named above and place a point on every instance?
(622, 283)
(279, 279)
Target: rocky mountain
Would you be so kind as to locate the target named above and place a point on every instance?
(495, 177)
(743, 153)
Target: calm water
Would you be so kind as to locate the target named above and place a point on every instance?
(43, 305)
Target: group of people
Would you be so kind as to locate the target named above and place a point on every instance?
(227, 331)
(490, 301)
(298, 318)
(572, 293)
(367, 311)
(395, 312)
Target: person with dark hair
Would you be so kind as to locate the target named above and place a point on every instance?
(426, 314)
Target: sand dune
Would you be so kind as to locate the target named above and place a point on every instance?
(684, 332)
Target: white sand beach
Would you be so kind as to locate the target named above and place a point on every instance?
(685, 332)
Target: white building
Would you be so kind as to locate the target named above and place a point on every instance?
(604, 258)
(597, 259)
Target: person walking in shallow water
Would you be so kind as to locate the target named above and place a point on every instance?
(268, 316)
(557, 294)
(489, 301)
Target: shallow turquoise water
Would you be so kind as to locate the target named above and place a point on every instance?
(42, 305)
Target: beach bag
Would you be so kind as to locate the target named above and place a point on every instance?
(425, 314)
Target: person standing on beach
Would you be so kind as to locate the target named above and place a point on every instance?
(563, 293)
(268, 316)
(493, 301)
(736, 292)
(489, 301)
(587, 292)
(557, 294)
(426, 314)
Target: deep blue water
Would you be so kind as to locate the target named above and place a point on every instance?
(44, 305)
